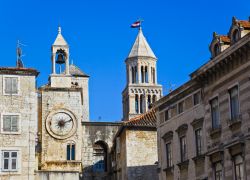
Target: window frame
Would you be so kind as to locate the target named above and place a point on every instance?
(169, 154)
(18, 123)
(18, 161)
(230, 102)
(238, 165)
(183, 152)
(18, 85)
(183, 107)
(198, 145)
(211, 113)
(69, 151)
(199, 95)
(215, 171)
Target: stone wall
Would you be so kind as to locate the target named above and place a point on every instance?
(92, 133)
(141, 154)
(25, 105)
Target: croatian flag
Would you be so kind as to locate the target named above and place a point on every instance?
(136, 24)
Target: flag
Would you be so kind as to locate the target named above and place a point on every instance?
(136, 24)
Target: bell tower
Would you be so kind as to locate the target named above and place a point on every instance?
(60, 76)
(142, 88)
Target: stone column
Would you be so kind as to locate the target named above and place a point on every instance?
(155, 75)
(53, 63)
(139, 104)
(129, 69)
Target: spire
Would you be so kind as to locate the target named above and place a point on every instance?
(60, 41)
(141, 47)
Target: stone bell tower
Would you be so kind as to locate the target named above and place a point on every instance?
(142, 88)
(60, 62)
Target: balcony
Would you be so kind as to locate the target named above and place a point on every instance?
(74, 166)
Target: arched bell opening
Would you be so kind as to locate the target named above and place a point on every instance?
(61, 58)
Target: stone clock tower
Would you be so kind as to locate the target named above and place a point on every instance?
(64, 105)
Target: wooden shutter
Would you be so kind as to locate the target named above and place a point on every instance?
(14, 123)
(6, 123)
(7, 85)
(14, 85)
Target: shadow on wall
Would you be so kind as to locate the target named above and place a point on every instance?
(94, 173)
(148, 172)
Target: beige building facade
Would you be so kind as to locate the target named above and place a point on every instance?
(208, 137)
(18, 118)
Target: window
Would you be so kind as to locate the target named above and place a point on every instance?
(141, 103)
(169, 155)
(136, 104)
(181, 107)
(11, 85)
(71, 152)
(215, 113)
(183, 148)
(235, 36)
(238, 167)
(10, 123)
(216, 49)
(167, 115)
(142, 75)
(234, 103)
(146, 74)
(196, 98)
(198, 141)
(218, 171)
(10, 160)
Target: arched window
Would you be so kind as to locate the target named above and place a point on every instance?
(216, 49)
(141, 103)
(236, 35)
(71, 151)
(136, 104)
(154, 98)
(142, 74)
(149, 102)
(135, 74)
(100, 156)
(146, 74)
(153, 75)
(132, 74)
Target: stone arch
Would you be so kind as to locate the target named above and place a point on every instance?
(100, 153)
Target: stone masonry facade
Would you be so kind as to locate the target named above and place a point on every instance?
(203, 126)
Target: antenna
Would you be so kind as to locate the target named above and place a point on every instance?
(19, 62)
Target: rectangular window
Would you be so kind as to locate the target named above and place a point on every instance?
(10, 123)
(181, 107)
(238, 167)
(183, 148)
(234, 103)
(198, 141)
(215, 113)
(11, 85)
(197, 98)
(70, 152)
(218, 171)
(10, 160)
(169, 154)
(167, 115)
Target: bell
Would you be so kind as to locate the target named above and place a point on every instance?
(60, 59)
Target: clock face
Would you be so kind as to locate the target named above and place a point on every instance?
(61, 124)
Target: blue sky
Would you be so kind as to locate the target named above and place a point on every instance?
(100, 38)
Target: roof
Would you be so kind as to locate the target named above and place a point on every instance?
(141, 47)
(244, 23)
(60, 41)
(147, 119)
(19, 71)
(224, 38)
(76, 71)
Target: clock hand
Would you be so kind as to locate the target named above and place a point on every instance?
(68, 120)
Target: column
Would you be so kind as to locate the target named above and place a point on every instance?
(54, 63)
(129, 74)
(155, 75)
(139, 103)
(146, 102)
